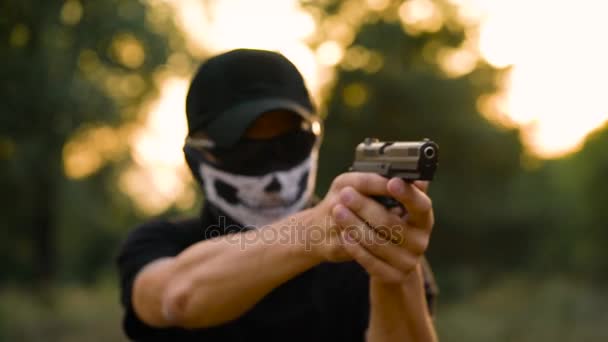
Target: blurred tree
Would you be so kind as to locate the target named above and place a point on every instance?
(591, 165)
(576, 238)
(69, 68)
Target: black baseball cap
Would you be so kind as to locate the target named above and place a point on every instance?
(231, 90)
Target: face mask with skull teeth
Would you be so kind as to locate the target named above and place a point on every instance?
(255, 201)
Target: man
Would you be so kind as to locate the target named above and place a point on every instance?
(264, 261)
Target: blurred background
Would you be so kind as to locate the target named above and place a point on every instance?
(92, 124)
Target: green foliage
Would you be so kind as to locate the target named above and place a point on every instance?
(576, 196)
(65, 66)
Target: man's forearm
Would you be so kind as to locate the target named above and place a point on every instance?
(399, 312)
(222, 278)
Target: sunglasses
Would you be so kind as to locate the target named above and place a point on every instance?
(259, 156)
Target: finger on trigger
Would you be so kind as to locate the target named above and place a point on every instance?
(417, 203)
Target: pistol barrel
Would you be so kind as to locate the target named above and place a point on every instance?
(410, 160)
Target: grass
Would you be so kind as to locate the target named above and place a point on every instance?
(61, 314)
(514, 308)
(524, 309)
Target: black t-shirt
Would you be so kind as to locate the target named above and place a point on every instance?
(329, 302)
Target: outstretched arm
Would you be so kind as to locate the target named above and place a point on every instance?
(217, 280)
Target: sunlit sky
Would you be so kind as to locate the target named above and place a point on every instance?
(555, 90)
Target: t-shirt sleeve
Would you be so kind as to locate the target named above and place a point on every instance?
(143, 245)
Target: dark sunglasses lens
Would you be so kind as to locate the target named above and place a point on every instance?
(298, 147)
(261, 156)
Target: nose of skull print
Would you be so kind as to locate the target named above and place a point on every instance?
(273, 186)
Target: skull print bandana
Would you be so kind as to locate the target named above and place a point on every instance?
(255, 201)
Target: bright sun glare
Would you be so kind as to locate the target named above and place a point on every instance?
(554, 91)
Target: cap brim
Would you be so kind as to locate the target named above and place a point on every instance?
(228, 128)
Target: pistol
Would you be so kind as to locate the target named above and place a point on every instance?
(408, 160)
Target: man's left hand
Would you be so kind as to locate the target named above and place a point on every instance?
(386, 242)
